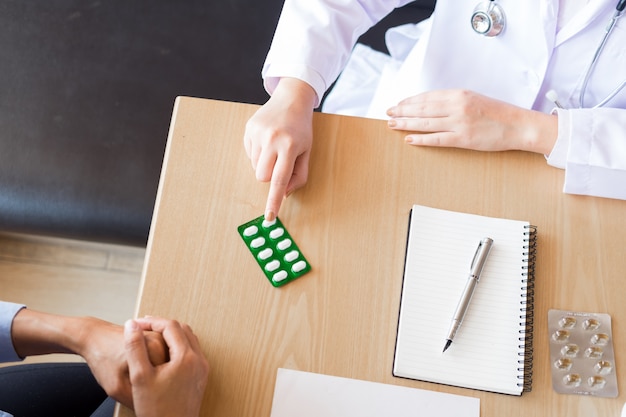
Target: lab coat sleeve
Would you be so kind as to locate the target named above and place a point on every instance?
(7, 314)
(591, 147)
(314, 38)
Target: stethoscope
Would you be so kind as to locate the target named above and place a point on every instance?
(488, 20)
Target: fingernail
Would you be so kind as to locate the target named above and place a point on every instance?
(391, 123)
(270, 216)
(391, 111)
(131, 325)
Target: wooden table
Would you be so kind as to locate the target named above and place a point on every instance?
(350, 221)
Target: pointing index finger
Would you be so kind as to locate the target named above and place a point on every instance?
(283, 170)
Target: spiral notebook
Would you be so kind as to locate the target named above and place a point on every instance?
(492, 351)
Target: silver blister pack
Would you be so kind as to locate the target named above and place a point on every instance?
(582, 358)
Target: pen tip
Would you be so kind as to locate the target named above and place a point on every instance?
(448, 343)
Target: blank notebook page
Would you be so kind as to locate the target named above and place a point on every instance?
(485, 354)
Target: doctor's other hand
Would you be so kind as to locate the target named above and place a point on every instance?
(278, 140)
(174, 388)
(465, 119)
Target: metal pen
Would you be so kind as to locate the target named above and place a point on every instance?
(476, 268)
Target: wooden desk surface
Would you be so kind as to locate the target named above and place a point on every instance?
(350, 221)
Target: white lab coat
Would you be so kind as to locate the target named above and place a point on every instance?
(314, 40)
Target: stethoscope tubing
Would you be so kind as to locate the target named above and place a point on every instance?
(594, 60)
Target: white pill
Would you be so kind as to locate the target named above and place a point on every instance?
(267, 224)
(272, 266)
(276, 233)
(250, 231)
(265, 253)
(258, 242)
(292, 256)
(284, 244)
(298, 266)
(279, 276)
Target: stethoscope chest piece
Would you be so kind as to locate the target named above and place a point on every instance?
(488, 19)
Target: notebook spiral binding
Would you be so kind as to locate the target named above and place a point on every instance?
(527, 309)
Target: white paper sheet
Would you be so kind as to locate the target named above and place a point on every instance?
(305, 394)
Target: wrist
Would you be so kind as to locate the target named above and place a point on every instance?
(36, 333)
(542, 133)
(295, 91)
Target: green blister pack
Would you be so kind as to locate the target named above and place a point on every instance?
(274, 250)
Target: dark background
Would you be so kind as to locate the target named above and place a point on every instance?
(86, 96)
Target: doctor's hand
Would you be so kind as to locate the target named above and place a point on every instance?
(465, 119)
(278, 140)
(174, 388)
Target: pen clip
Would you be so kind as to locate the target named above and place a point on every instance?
(480, 256)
